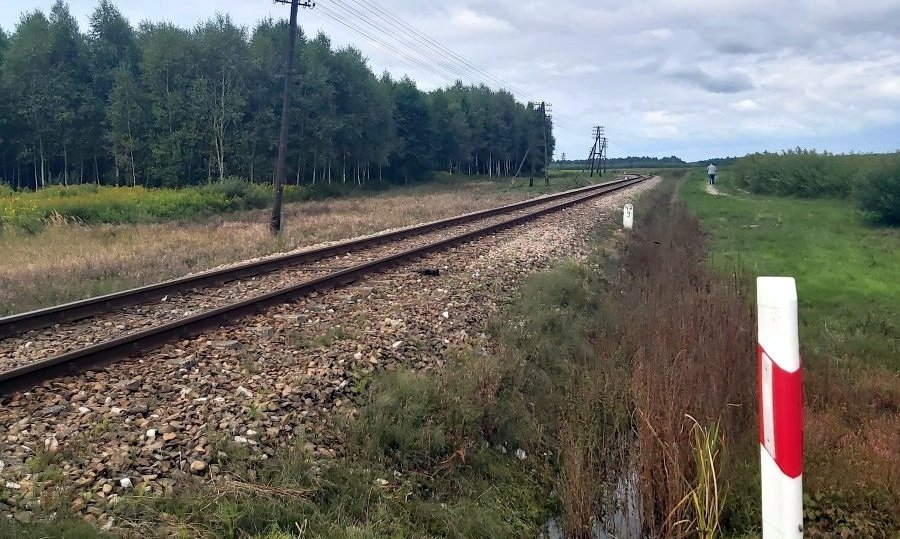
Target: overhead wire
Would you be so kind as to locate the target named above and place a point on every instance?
(418, 50)
(403, 32)
(387, 47)
(394, 43)
(434, 45)
(429, 42)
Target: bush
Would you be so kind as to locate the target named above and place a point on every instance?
(879, 191)
(241, 194)
(800, 173)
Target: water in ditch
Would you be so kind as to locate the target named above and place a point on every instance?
(623, 523)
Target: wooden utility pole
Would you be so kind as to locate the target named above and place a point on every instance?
(280, 163)
(604, 156)
(546, 147)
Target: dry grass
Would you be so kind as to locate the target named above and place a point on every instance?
(692, 332)
(66, 262)
(853, 431)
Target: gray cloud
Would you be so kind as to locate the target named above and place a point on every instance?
(725, 82)
(733, 46)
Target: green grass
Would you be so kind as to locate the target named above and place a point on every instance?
(846, 269)
(93, 204)
(62, 529)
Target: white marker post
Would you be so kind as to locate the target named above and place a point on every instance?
(628, 216)
(780, 408)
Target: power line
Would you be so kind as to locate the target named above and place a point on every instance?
(406, 43)
(389, 48)
(440, 59)
(414, 42)
(436, 46)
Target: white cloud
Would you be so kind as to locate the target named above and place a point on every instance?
(472, 22)
(659, 33)
(746, 105)
(889, 88)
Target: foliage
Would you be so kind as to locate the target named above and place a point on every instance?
(873, 179)
(704, 498)
(799, 172)
(630, 162)
(879, 190)
(166, 106)
(92, 204)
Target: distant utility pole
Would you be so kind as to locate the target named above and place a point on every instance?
(275, 225)
(544, 107)
(604, 156)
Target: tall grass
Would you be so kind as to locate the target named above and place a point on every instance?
(705, 496)
(690, 330)
(92, 204)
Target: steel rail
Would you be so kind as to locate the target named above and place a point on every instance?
(43, 318)
(104, 353)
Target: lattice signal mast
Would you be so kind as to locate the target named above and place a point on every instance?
(598, 155)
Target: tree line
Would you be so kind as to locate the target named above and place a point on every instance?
(625, 162)
(163, 106)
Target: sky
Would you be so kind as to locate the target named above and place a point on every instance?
(690, 78)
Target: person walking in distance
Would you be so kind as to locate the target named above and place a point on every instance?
(711, 171)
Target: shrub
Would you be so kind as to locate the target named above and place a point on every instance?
(241, 194)
(800, 173)
(879, 190)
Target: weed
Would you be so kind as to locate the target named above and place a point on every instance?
(59, 529)
(704, 498)
(332, 334)
(873, 179)
(253, 411)
(688, 331)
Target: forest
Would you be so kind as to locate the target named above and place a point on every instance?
(163, 106)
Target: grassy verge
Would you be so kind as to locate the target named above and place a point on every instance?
(846, 273)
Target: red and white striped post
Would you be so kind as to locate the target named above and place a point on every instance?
(780, 408)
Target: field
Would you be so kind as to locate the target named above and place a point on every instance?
(846, 271)
(64, 260)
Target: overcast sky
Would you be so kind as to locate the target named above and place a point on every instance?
(686, 77)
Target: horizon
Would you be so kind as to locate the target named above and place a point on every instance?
(831, 82)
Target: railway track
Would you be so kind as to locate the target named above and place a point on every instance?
(45, 344)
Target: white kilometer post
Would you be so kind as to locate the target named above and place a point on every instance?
(628, 216)
(780, 408)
